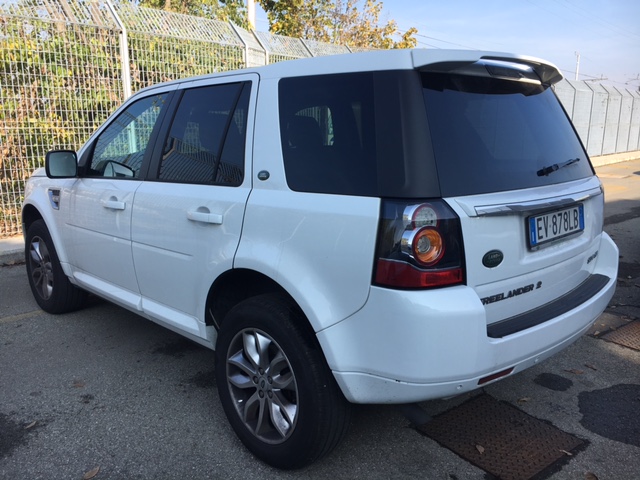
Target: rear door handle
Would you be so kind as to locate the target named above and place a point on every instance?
(113, 204)
(205, 217)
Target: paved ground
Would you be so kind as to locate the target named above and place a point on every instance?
(104, 389)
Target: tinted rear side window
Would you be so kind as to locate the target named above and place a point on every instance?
(327, 127)
(492, 135)
(353, 134)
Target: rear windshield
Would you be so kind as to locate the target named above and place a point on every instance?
(492, 135)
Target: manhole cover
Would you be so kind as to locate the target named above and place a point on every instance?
(501, 439)
(628, 335)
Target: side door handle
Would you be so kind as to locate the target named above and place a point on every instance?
(113, 204)
(204, 216)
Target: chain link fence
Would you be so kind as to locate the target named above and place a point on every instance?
(56, 85)
(65, 65)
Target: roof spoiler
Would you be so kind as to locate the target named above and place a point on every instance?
(487, 64)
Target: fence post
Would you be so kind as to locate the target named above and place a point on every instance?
(124, 51)
(264, 47)
(304, 44)
(245, 44)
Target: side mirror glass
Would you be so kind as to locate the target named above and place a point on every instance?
(61, 164)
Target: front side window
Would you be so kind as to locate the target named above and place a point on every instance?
(206, 141)
(120, 148)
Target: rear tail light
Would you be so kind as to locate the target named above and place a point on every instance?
(419, 245)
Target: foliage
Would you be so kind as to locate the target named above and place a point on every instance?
(161, 59)
(60, 81)
(309, 19)
(355, 23)
(224, 10)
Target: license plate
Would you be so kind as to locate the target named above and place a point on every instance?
(551, 226)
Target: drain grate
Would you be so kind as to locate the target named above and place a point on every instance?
(501, 439)
(628, 336)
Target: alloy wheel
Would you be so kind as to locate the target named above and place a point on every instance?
(41, 268)
(262, 385)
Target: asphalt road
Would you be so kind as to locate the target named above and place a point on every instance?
(106, 393)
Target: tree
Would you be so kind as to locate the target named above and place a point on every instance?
(308, 19)
(354, 23)
(361, 28)
(225, 10)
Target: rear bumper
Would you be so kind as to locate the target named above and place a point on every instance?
(409, 346)
(586, 290)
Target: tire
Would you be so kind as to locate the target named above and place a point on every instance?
(50, 286)
(284, 404)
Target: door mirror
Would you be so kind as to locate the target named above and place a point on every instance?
(61, 164)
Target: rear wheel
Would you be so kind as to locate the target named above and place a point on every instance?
(275, 386)
(50, 286)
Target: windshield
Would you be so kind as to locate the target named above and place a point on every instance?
(492, 135)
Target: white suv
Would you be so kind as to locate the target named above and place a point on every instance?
(383, 227)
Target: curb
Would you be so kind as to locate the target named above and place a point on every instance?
(604, 160)
(12, 251)
(8, 259)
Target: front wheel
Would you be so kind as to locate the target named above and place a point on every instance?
(275, 386)
(50, 286)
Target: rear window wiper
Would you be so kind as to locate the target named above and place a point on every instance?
(543, 172)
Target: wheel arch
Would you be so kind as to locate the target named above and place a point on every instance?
(237, 285)
(30, 214)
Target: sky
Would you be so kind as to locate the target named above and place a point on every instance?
(605, 33)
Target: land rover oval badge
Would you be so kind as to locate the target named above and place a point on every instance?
(492, 259)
